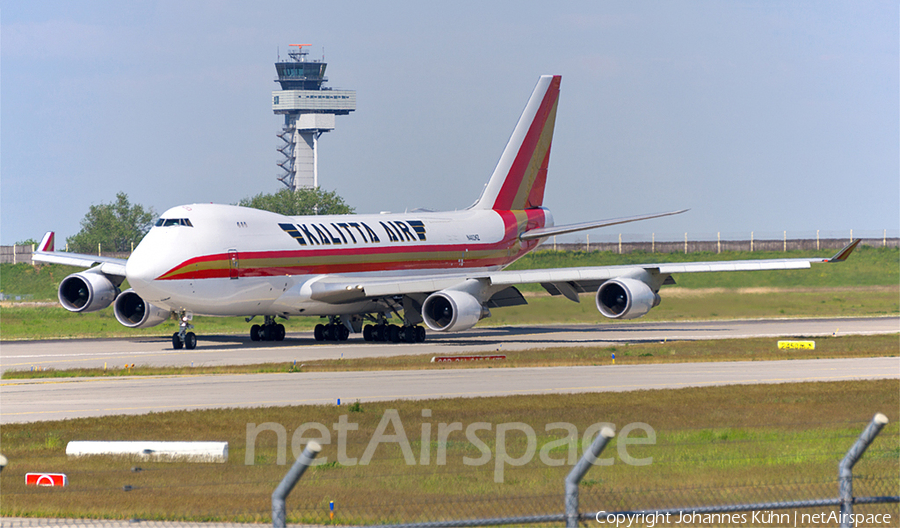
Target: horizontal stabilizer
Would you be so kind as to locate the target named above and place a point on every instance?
(572, 228)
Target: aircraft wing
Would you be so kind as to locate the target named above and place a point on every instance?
(571, 281)
(565, 281)
(106, 265)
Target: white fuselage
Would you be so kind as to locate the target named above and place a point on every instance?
(226, 260)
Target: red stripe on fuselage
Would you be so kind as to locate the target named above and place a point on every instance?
(513, 226)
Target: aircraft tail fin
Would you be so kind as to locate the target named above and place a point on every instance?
(519, 178)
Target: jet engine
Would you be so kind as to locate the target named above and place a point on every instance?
(451, 311)
(625, 298)
(134, 312)
(86, 292)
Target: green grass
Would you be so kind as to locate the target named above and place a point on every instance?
(714, 445)
(760, 349)
(39, 283)
(19, 322)
(867, 284)
(681, 305)
(867, 266)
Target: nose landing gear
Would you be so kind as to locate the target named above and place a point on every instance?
(183, 338)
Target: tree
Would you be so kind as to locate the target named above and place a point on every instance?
(299, 202)
(115, 226)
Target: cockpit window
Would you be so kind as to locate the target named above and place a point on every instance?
(166, 222)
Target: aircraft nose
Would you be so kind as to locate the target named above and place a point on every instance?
(142, 268)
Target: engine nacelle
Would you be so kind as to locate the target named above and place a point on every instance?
(86, 292)
(134, 312)
(451, 311)
(625, 298)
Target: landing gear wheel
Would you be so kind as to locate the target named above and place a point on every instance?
(420, 334)
(319, 332)
(280, 332)
(190, 341)
(254, 332)
(176, 341)
(367, 333)
(342, 332)
(394, 333)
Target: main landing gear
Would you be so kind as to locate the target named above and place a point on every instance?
(269, 331)
(333, 331)
(183, 338)
(394, 333)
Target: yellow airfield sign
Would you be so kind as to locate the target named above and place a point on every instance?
(804, 345)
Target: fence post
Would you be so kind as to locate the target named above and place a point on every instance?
(685, 243)
(751, 241)
(785, 243)
(817, 240)
(719, 242)
(653, 243)
(279, 511)
(845, 468)
(620, 243)
(581, 468)
(588, 242)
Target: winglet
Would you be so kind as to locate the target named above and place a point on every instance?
(842, 255)
(47, 242)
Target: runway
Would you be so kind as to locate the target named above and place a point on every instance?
(55, 399)
(240, 350)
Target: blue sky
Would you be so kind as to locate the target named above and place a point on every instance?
(758, 116)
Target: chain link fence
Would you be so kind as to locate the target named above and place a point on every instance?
(692, 470)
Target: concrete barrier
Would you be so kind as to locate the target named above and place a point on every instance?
(154, 451)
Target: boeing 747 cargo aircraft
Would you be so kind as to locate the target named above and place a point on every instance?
(443, 269)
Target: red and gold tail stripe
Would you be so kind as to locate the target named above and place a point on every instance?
(523, 187)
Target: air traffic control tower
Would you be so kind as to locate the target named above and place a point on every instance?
(309, 109)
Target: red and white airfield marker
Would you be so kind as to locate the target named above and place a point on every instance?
(46, 479)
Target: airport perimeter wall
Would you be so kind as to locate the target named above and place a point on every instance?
(718, 246)
(21, 254)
